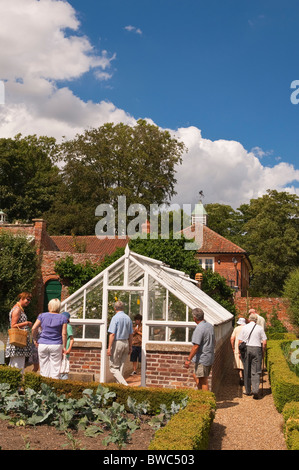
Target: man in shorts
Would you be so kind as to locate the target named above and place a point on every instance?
(202, 352)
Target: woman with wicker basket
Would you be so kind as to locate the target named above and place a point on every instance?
(18, 319)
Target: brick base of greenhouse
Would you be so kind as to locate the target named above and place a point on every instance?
(164, 364)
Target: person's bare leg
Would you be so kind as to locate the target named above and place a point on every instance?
(203, 383)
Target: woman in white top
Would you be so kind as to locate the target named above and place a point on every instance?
(238, 364)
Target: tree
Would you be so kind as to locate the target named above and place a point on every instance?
(138, 162)
(225, 221)
(18, 268)
(28, 177)
(271, 237)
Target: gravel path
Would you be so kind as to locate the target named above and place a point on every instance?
(242, 423)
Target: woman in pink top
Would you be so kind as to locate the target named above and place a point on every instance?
(52, 340)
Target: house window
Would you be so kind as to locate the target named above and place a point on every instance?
(207, 263)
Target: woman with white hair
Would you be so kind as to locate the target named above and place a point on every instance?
(234, 339)
(52, 340)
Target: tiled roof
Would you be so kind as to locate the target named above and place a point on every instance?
(88, 244)
(213, 242)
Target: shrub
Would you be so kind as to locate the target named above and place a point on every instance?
(291, 426)
(284, 382)
(11, 376)
(189, 429)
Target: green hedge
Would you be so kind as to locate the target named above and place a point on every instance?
(291, 425)
(284, 382)
(188, 430)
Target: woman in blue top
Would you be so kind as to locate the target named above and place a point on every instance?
(52, 340)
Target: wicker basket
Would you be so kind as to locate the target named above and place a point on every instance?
(18, 337)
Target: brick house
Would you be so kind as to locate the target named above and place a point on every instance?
(222, 256)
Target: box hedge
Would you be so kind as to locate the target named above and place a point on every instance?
(291, 425)
(284, 382)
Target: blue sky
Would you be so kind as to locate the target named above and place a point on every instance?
(223, 66)
(216, 73)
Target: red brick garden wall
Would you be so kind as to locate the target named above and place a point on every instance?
(265, 305)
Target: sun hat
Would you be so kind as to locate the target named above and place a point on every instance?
(241, 321)
(66, 314)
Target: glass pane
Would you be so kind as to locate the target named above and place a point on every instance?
(136, 275)
(176, 308)
(92, 331)
(190, 317)
(78, 331)
(209, 264)
(113, 296)
(157, 333)
(191, 330)
(135, 304)
(93, 306)
(75, 306)
(177, 334)
(116, 275)
(157, 301)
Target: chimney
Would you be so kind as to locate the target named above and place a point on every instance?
(39, 233)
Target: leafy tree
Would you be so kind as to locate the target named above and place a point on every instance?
(18, 268)
(291, 292)
(28, 177)
(272, 240)
(267, 228)
(114, 160)
(225, 221)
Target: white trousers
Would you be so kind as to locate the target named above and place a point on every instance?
(120, 351)
(18, 362)
(50, 356)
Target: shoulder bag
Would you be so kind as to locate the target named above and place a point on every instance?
(243, 345)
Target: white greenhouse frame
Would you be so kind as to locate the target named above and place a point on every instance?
(132, 267)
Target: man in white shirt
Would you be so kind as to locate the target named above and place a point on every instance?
(256, 341)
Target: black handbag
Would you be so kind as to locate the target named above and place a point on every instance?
(243, 345)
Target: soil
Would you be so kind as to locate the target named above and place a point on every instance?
(49, 438)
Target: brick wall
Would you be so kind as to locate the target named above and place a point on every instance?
(165, 365)
(266, 305)
(85, 359)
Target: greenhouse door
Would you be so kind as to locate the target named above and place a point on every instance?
(52, 291)
(132, 297)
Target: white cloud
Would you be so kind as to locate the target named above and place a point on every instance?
(37, 52)
(133, 29)
(226, 172)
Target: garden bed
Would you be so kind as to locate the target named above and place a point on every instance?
(49, 438)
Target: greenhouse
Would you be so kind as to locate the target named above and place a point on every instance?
(163, 296)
